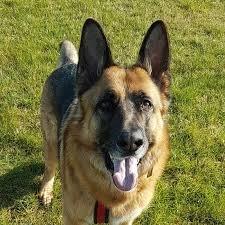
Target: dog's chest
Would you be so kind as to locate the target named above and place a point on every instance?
(112, 219)
(126, 218)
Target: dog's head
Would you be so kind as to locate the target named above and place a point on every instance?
(121, 109)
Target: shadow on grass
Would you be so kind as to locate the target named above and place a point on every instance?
(19, 182)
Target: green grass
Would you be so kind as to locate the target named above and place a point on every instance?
(192, 189)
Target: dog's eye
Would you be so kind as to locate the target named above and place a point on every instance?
(142, 101)
(146, 104)
(105, 105)
(108, 102)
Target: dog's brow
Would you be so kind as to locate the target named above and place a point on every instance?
(108, 94)
(140, 94)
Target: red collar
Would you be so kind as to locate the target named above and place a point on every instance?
(101, 213)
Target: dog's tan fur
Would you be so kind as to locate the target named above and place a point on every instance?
(84, 176)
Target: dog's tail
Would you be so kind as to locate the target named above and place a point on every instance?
(68, 54)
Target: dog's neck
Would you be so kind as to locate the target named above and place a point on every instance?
(101, 213)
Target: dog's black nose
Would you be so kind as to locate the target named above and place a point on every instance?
(130, 141)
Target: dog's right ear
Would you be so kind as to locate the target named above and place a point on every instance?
(94, 56)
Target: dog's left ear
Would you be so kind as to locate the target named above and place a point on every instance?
(154, 55)
(94, 56)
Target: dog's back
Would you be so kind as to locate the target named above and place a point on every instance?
(58, 93)
(61, 83)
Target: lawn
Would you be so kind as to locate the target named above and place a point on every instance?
(192, 189)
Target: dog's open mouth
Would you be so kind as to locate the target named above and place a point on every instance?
(124, 171)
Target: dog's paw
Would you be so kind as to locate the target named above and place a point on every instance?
(45, 196)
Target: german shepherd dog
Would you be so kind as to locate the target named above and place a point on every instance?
(109, 124)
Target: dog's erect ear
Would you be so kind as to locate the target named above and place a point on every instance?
(94, 56)
(154, 54)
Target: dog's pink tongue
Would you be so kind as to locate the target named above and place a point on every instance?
(125, 173)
